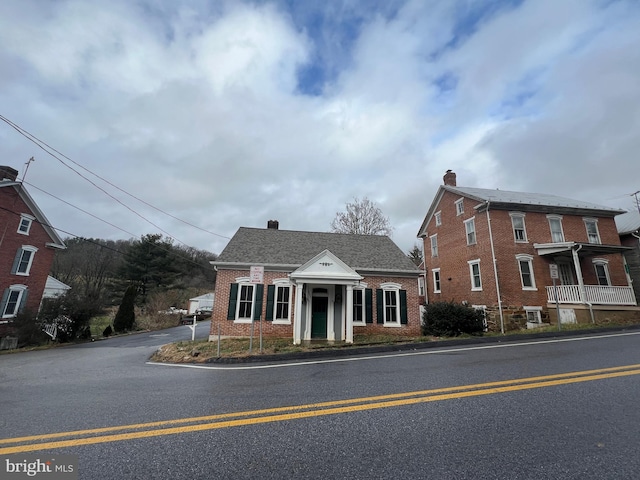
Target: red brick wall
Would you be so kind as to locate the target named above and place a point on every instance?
(225, 278)
(11, 206)
(454, 254)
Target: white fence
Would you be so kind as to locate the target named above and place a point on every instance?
(594, 294)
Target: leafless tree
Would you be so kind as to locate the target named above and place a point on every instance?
(362, 217)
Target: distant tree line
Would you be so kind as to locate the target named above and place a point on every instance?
(153, 271)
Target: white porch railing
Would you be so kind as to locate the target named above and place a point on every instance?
(595, 294)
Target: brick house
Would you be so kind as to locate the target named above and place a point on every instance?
(629, 230)
(27, 247)
(494, 249)
(315, 286)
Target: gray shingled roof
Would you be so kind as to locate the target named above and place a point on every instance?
(522, 198)
(628, 222)
(261, 246)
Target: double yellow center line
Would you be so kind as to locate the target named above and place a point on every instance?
(252, 417)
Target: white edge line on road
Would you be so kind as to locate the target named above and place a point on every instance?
(390, 355)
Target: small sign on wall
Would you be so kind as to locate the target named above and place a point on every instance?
(256, 274)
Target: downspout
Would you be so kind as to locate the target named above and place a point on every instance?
(495, 271)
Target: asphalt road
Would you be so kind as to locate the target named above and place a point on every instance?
(529, 410)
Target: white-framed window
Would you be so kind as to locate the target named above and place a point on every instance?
(242, 300)
(436, 280)
(459, 206)
(438, 218)
(470, 228)
(525, 264)
(534, 314)
(434, 245)
(591, 224)
(391, 303)
(23, 260)
(602, 271)
(421, 289)
(282, 302)
(555, 225)
(519, 230)
(25, 224)
(12, 300)
(358, 306)
(474, 272)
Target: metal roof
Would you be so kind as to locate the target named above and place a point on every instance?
(532, 199)
(259, 246)
(628, 222)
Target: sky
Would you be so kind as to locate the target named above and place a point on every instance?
(194, 118)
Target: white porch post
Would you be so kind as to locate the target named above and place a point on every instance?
(576, 264)
(349, 315)
(297, 315)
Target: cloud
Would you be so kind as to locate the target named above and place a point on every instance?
(229, 114)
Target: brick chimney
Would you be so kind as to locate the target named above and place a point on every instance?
(273, 224)
(450, 178)
(8, 173)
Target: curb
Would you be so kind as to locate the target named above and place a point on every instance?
(403, 347)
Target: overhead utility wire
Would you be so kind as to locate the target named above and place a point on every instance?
(36, 142)
(85, 239)
(39, 143)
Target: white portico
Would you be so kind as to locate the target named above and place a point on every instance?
(324, 299)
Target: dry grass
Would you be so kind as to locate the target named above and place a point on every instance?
(201, 351)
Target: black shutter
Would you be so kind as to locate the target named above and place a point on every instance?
(368, 305)
(257, 309)
(23, 301)
(16, 260)
(380, 305)
(233, 299)
(3, 303)
(403, 307)
(271, 290)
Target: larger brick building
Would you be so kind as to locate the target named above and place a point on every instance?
(315, 286)
(497, 250)
(27, 247)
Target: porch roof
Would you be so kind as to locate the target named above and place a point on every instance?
(583, 249)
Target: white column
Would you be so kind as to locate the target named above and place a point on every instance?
(576, 264)
(297, 315)
(349, 314)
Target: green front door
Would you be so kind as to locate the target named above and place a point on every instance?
(319, 308)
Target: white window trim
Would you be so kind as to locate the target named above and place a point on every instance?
(434, 245)
(529, 259)
(471, 221)
(362, 288)
(521, 216)
(422, 286)
(438, 218)
(14, 288)
(436, 283)
(471, 264)
(30, 219)
(559, 218)
(536, 310)
(459, 206)
(281, 283)
(604, 263)
(245, 281)
(26, 248)
(391, 287)
(595, 223)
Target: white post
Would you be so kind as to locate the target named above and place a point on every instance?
(297, 315)
(349, 314)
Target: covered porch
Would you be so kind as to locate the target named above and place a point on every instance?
(323, 307)
(570, 286)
